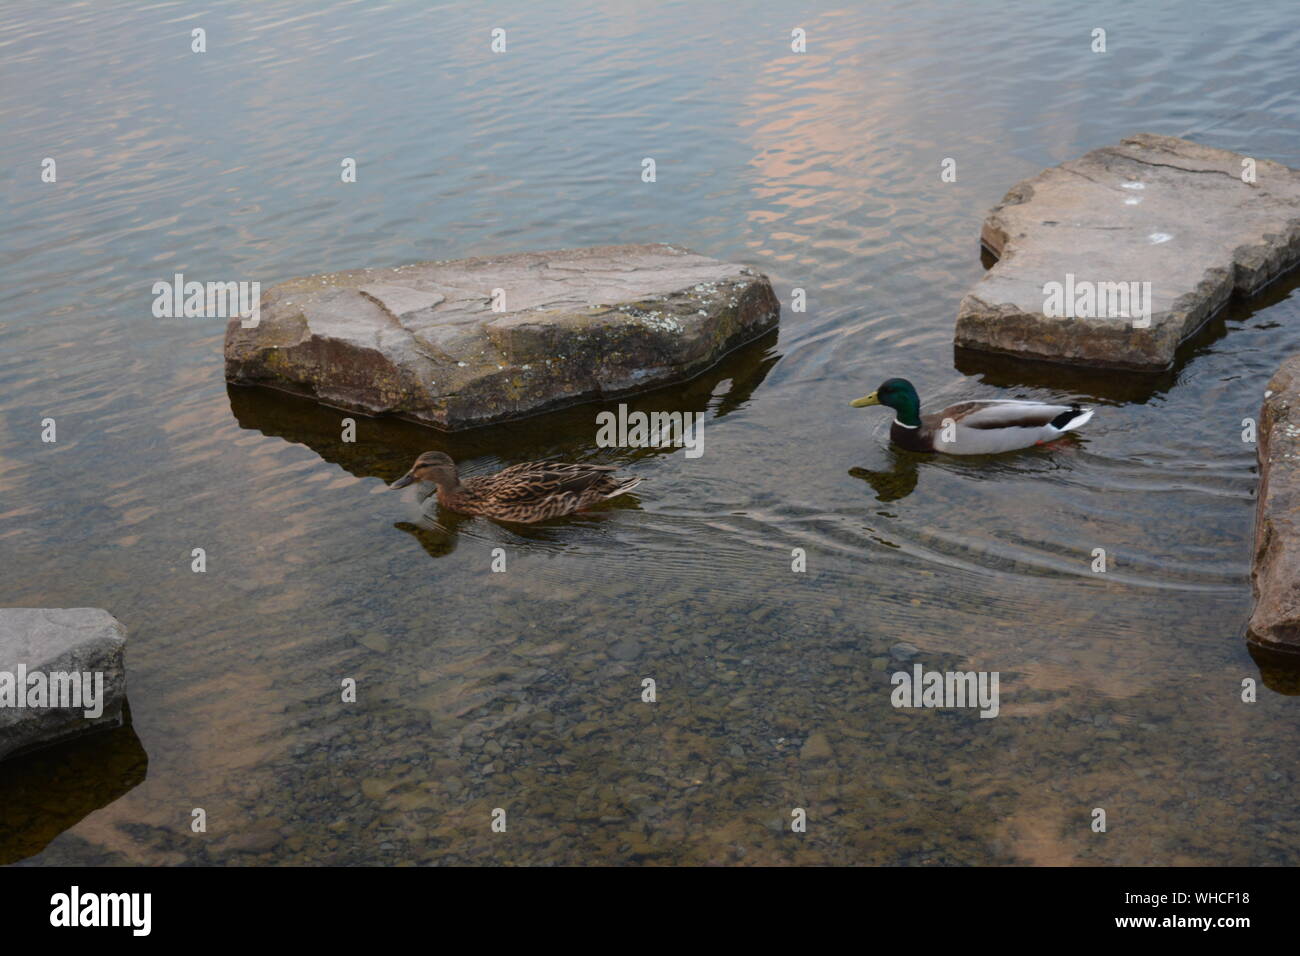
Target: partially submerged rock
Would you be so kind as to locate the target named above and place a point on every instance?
(48, 657)
(423, 341)
(1275, 566)
(1154, 209)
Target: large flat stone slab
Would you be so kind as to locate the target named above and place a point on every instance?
(1153, 209)
(39, 644)
(423, 341)
(1275, 565)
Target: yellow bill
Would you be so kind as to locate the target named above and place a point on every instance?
(865, 400)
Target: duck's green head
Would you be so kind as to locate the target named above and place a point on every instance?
(898, 394)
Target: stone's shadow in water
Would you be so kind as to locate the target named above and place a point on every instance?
(1120, 386)
(46, 792)
(1106, 386)
(386, 446)
(1278, 671)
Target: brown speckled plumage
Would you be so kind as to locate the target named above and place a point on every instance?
(533, 491)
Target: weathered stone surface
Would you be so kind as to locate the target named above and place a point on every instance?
(422, 342)
(50, 641)
(1275, 568)
(1152, 209)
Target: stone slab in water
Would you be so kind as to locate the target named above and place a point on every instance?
(1155, 209)
(422, 341)
(1275, 565)
(59, 640)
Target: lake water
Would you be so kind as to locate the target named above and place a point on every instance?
(522, 690)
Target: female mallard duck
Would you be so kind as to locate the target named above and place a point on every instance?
(972, 428)
(533, 491)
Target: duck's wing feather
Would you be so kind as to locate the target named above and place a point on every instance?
(540, 479)
(1004, 414)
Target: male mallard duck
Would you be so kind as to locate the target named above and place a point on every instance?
(533, 491)
(972, 428)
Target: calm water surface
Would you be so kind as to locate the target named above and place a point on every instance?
(522, 690)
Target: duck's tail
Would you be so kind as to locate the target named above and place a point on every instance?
(624, 487)
(1076, 417)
